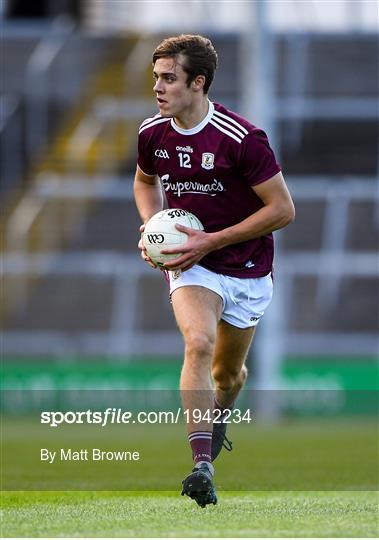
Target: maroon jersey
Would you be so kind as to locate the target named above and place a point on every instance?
(209, 170)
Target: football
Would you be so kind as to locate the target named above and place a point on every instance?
(160, 233)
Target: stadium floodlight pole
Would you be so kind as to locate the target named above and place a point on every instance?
(259, 105)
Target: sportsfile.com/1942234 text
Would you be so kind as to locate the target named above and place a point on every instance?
(114, 415)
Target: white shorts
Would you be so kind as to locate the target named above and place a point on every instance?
(244, 300)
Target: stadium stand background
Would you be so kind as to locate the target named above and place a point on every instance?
(76, 83)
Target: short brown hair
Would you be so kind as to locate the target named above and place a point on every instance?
(200, 54)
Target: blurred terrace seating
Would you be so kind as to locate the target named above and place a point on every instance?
(94, 299)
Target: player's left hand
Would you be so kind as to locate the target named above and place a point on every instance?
(198, 245)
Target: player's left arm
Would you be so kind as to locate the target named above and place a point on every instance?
(277, 211)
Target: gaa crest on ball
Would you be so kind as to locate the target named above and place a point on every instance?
(161, 233)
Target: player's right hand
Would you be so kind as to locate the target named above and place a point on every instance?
(144, 254)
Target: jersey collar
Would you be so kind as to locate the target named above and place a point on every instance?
(197, 128)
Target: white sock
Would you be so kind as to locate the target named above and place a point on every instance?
(209, 465)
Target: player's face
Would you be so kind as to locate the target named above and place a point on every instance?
(173, 95)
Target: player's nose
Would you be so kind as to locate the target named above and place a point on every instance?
(158, 88)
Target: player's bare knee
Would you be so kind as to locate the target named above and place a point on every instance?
(224, 379)
(199, 345)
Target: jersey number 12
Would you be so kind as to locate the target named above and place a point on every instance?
(184, 160)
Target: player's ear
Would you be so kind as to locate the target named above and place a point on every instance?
(198, 83)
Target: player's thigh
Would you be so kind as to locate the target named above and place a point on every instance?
(232, 346)
(197, 311)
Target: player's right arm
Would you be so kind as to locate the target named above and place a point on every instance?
(149, 200)
(147, 194)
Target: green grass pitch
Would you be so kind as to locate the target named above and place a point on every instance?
(244, 514)
(330, 472)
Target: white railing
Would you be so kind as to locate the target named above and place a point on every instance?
(37, 83)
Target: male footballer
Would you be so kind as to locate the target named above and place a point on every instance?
(217, 165)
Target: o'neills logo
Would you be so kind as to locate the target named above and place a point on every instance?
(188, 149)
(191, 186)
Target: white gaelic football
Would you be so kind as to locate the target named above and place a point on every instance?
(160, 233)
